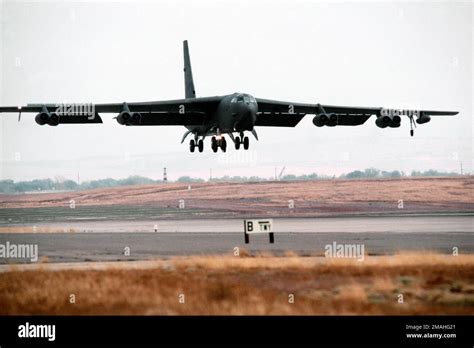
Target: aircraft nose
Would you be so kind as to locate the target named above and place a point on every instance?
(250, 113)
(248, 110)
(245, 109)
(247, 117)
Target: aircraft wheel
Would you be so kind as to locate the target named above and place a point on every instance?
(246, 143)
(223, 145)
(192, 145)
(214, 144)
(200, 145)
(237, 143)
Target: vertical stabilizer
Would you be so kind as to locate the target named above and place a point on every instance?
(188, 73)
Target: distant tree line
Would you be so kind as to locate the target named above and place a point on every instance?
(433, 172)
(9, 186)
(372, 173)
(375, 173)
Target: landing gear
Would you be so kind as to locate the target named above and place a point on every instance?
(223, 144)
(246, 143)
(412, 124)
(242, 140)
(216, 143)
(193, 143)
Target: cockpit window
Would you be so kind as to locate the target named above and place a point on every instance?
(243, 98)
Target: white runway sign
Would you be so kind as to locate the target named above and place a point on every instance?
(258, 226)
(255, 226)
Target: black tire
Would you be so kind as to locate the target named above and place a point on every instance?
(201, 145)
(246, 143)
(192, 145)
(237, 143)
(223, 145)
(214, 145)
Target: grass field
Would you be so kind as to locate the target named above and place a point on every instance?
(269, 199)
(262, 285)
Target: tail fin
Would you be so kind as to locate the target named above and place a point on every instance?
(188, 73)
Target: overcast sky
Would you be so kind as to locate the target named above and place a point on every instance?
(390, 54)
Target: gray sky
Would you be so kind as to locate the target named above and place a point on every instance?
(390, 54)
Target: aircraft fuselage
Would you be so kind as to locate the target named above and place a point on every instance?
(236, 112)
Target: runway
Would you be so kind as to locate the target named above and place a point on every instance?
(381, 235)
(385, 223)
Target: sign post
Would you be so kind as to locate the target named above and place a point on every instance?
(256, 226)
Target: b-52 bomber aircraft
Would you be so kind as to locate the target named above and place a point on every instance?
(220, 115)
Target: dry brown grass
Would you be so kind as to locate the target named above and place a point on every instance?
(213, 285)
(437, 190)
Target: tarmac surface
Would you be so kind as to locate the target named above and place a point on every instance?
(131, 240)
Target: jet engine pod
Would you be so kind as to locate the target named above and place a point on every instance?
(53, 119)
(124, 117)
(383, 121)
(395, 122)
(320, 120)
(332, 120)
(42, 118)
(136, 118)
(423, 119)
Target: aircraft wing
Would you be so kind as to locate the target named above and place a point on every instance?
(168, 112)
(206, 104)
(274, 113)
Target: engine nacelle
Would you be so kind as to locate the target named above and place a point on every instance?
(136, 118)
(423, 119)
(124, 117)
(332, 120)
(383, 121)
(329, 120)
(53, 119)
(42, 118)
(392, 121)
(320, 120)
(395, 122)
(128, 118)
